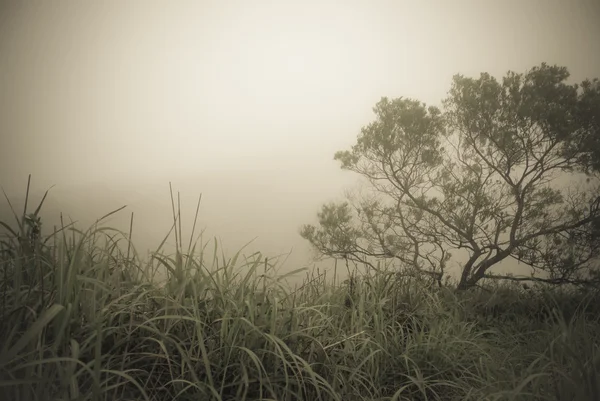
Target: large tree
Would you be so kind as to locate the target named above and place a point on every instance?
(506, 170)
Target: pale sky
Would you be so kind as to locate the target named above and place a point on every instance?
(244, 101)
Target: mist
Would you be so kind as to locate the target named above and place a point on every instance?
(242, 102)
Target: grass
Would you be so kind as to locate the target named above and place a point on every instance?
(83, 319)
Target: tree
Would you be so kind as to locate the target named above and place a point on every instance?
(586, 137)
(481, 177)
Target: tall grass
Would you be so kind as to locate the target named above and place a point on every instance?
(82, 318)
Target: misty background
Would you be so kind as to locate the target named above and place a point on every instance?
(245, 102)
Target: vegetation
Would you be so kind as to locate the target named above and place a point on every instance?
(82, 319)
(487, 176)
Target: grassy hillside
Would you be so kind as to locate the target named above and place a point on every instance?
(82, 319)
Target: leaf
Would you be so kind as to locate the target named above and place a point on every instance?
(33, 331)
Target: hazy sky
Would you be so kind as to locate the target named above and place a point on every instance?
(245, 101)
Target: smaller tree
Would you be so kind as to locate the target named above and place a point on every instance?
(497, 175)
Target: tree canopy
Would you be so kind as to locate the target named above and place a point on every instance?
(504, 170)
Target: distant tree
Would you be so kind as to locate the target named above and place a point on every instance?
(507, 170)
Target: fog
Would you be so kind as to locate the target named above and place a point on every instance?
(245, 102)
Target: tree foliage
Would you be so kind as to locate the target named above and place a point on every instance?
(507, 170)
